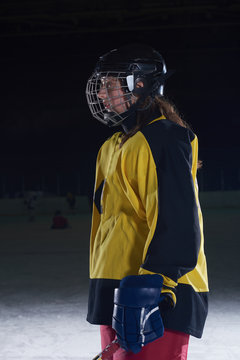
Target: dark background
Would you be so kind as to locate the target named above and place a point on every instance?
(49, 139)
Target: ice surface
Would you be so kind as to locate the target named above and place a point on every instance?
(44, 280)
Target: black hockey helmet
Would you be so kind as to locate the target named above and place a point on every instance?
(128, 66)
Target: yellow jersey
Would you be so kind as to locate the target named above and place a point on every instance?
(147, 219)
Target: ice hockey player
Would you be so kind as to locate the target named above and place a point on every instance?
(148, 276)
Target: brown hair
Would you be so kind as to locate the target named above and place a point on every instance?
(166, 109)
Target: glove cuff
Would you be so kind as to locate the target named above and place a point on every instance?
(142, 281)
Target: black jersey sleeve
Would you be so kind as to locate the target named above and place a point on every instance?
(174, 245)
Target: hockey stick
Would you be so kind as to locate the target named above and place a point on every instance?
(108, 351)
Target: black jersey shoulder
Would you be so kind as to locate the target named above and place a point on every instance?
(165, 129)
(165, 133)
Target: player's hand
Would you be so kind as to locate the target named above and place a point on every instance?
(136, 316)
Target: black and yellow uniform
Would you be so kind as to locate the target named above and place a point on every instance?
(147, 219)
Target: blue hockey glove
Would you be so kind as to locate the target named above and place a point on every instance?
(136, 315)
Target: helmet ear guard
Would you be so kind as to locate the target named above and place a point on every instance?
(141, 91)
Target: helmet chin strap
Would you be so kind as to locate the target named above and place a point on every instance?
(131, 119)
(147, 106)
(131, 114)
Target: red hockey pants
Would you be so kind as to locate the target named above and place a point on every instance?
(172, 346)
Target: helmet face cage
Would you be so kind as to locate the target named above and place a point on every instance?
(116, 95)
